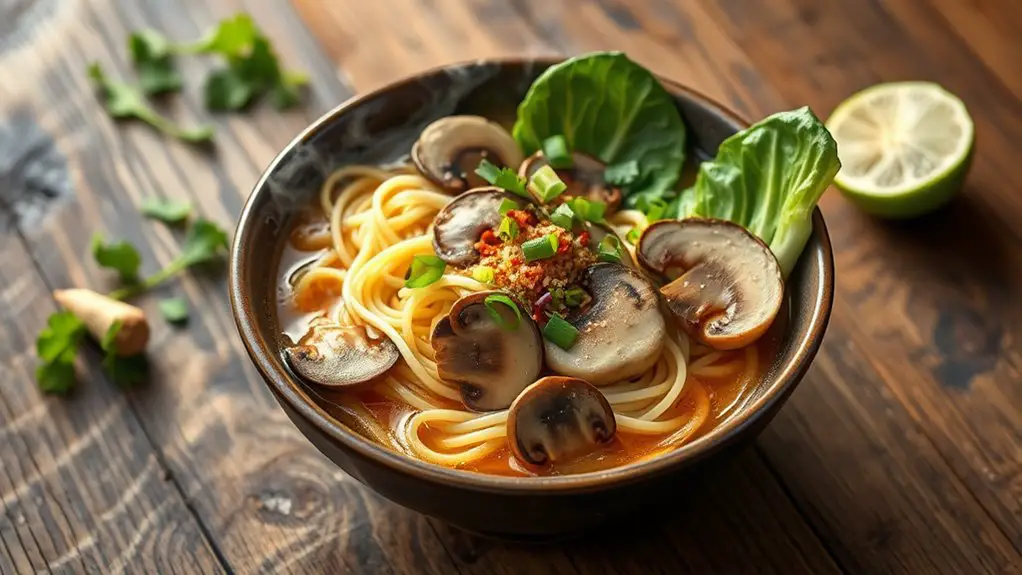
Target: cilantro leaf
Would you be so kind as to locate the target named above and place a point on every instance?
(123, 370)
(126, 101)
(174, 310)
(119, 256)
(153, 60)
(203, 243)
(57, 346)
(232, 37)
(228, 90)
(504, 178)
(168, 211)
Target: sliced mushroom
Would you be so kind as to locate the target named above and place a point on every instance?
(457, 227)
(557, 419)
(341, 355)
(584, 178)
(725, 284)
(449, 150)
(491, 364)
(620, 333)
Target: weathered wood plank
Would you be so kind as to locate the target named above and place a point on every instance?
(930, 302)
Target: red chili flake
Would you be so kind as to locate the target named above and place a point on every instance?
(583, 238)
(563, 244)
(516, 261)
(489, 238)
(523, 217)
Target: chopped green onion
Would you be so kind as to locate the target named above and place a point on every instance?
(491, 302)
(622, 174)
(546, 185)
(560, 332)
(563, 217)
(610, 249)
(504, 178)
(424, 271)
(508, 229)
(633, 236)
(654, 209)
(555, 149)
(588, 210)
(573, 297)
(540, 248)
(483, 274)
(506, 206)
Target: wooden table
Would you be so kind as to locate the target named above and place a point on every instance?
(900, 452)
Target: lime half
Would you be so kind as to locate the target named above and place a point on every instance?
(905, 147)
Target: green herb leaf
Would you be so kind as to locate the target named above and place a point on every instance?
(57, 347)
(126, 371)
(228, 90)
(119, 256)
(153, 60)
(546, 185)
(504, 178)
(768, 178)
(508, 229)
(233, 37)
(613, 109)
(563, 217)
(655, 209)
(424, 271)
(556, 152)
(174, 310)
(507, 205)
(540, 248)
(609, 249)
(167, 211)
(560, 332)
(588, 210)
(633, 236)
(483, 274)
(623, 174)
(203, 243)
(126, 101)
(493, 304)
(573, 297)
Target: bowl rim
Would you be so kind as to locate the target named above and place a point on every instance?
(281, 384)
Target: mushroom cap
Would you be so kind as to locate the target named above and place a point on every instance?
(584, 178)
(449, 150)
(491, 364)
(730, 286)
(620, 333)
(457, 227)
(341, 355)
(558, 418)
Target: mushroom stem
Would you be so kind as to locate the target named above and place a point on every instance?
(98, 312)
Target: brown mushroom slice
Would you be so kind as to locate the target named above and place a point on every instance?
(491, 364)
(557, 419)
(621, 332)
(341, 355)
(450, 149)
(457, 227)
(730, 286)
(584, 178)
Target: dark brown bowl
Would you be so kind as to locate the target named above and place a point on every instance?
(380, 127)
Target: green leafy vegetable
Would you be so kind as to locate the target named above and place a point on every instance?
(540, 248)
(555, 150)
(174, 310)
(119, 256)
(623, 174)
(611, 108)
(546, 185)
(508, 229)
(494, 300)
(57, 347)
(504, 178)
(152, 57)
(768, 178)
(609, 249)
(424, 271)
(167, 211)
(560, 332)
(563, 217)
(125, 101)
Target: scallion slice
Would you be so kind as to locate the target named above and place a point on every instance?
(610, 249)
(506, 206)
(540, 248)
(508, 229)
(555, 149)
(424, 271)
(563, 217)
(492, 301)
(504, 178)
(588, 210)
(654, 209)
(560, 332)
(633, 236)
(483, 274)
(546, 185)
(573, 297)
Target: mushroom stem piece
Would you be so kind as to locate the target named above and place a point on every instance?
(98, 312)
(559, 418)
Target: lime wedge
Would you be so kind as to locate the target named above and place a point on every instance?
(905, 147)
